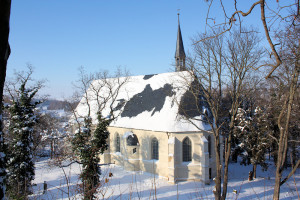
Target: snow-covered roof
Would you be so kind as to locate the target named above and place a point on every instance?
(149, 102)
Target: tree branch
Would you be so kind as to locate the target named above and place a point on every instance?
(263, 19)
(291, 173)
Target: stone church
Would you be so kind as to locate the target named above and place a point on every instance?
(150, 132)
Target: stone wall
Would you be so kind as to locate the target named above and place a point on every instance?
(170, 164)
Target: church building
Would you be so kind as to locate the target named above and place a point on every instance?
(151, 133)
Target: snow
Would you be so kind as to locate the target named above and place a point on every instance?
(127, 134)
(19, 143)
(27, 129)
(141, 185)
(241, 128)
(2, 155)
(118, 153)
(84, 130)
(171, 140)
(150, 161)
(15, 117)
(165, 119)
(241, 145)
(204, 139)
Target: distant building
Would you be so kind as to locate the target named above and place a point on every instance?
(149, 133)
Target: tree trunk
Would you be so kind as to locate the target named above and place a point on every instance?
(51, 149)
(226, 164)
(217, 191)
(4, 54)
(228, 150)
(277, 186)
(283, 141)
(254, 171)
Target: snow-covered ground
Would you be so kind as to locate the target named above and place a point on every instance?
(142, 185)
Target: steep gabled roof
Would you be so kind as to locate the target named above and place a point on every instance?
(148, 102)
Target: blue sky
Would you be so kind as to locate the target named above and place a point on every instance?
(59, 36)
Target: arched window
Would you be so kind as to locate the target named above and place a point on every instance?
(118, 143)
(209, 145)
(132, 140)
(186, 150)
(154, 149)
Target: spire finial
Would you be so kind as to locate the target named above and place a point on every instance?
(178, 13)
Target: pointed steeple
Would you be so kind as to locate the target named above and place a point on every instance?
(179, 54)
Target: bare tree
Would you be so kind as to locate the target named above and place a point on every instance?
(219, 68)
(50, 132)
(290, 54)
(4, 54)
(244, 55)
(273, 18)
(98, 107)
(98, 93)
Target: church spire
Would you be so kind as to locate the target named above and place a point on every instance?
(179, 54)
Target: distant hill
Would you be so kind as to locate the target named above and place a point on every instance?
(50, 104)
(53, 104)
